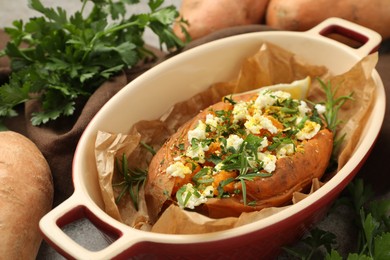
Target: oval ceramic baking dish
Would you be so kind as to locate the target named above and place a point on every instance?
(196, 69)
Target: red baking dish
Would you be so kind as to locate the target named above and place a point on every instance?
(197, 69)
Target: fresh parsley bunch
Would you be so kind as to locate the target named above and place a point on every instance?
(60, 59)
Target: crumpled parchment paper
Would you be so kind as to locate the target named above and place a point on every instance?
(270, 65)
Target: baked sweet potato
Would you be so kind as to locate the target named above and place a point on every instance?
(301, 15)
(245, 153)
(204, 16)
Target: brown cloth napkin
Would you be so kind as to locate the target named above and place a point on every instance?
(58, 140)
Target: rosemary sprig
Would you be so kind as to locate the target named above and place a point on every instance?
(239, 161)
(132, 181)
(148, 147)
(249, 177)
(333, 105)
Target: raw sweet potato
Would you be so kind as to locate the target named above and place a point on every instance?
(293, 171)
(206, 16)
(301, 15)
(26, 194)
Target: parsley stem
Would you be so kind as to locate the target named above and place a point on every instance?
(106, 32)
(83, 6)
(111, 30)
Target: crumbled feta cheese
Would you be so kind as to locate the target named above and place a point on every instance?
(208, 192)
(265, 99)
(321, 109)
(269, 161)
(178, 169)
(257, 122)
(198, 133)
(309, 130)
(303, 108)
(284, 150)
(212, 121)
(298, 120)
(264, 143)
(196, 198)
(217, 168)
(240, 111)
(281, 95)
(268, 98)
(234, 141)
(197, 152)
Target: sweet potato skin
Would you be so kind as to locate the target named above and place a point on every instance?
(206, 16)
(26, 194)
(293, 173)
(301, 15)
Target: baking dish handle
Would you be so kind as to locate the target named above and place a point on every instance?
(73, 209)
(368, 39)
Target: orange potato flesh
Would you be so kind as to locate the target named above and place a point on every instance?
(293, 173)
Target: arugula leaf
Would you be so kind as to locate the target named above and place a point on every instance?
(60, 59)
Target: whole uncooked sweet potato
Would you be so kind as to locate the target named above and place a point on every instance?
(206, 16)
(264, 186)
(26, 194)
(301, 15)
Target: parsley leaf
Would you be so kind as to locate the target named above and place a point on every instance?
(61, 59)
(372, 218)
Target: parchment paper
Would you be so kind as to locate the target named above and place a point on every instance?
(270, 65)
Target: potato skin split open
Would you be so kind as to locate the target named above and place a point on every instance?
(293, 173)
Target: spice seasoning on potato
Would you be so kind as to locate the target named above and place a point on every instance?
(26, 194)
(252, 151)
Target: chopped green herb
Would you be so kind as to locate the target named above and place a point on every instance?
(229, 100)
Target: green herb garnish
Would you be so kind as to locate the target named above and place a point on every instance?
(132, 181)
(333, 105)
(61, 60)
(372, 219)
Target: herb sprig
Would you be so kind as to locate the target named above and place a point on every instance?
(61, 60)
(240, 161)
(372, 219)
(333, 105)
(133, 180)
